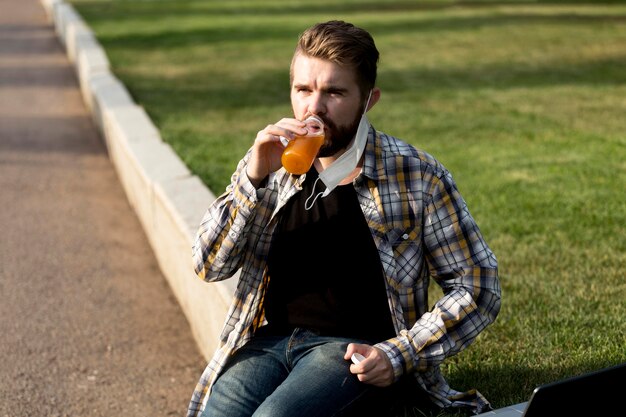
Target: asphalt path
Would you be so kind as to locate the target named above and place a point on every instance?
(88, 324)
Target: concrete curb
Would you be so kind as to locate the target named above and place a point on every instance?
(168, 199)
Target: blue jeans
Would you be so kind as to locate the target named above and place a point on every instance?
(299, 375)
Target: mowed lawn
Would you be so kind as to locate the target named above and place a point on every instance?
(525, 102)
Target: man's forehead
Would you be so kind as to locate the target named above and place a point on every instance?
(308, 70)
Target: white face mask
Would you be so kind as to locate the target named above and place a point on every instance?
(346, 163)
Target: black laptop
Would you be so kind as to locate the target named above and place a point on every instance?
(600, 393)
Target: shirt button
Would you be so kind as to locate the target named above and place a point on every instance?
(405, 236)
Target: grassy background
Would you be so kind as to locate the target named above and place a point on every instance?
(525, 102)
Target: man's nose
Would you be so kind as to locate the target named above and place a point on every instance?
(316, 104)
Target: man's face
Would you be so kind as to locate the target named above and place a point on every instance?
(331, 92)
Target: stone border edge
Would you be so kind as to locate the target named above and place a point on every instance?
(168, 200)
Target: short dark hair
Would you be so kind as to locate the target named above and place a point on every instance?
(344, 44)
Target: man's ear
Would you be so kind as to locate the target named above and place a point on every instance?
(374, 98)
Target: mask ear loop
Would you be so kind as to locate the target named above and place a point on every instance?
(367, 103)
(308, 206)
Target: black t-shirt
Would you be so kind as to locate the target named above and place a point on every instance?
(325, 272)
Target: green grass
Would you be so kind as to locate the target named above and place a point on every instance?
(525, 102)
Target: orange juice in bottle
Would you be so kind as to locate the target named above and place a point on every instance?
(301, 151)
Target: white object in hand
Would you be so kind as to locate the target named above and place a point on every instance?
(357, 358)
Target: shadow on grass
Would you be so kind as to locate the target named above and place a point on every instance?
(270, 8)
(607, 72)
(163, 36)
(199, 92)
(501, 386)
(504, 386)
(176, 38)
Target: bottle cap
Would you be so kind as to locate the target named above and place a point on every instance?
(357, 358)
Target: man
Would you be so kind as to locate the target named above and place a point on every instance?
(337, 261)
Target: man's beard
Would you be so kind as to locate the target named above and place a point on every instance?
(340, 136)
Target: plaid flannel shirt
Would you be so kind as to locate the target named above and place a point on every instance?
(422, 229)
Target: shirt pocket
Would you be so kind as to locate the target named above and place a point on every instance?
(407, 251)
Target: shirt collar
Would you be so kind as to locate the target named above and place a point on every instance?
(373, 167)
